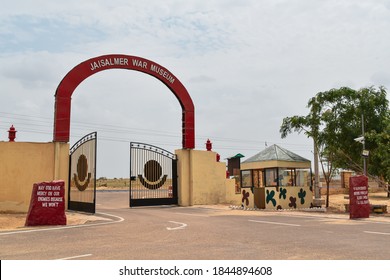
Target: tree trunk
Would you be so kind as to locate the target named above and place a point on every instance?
(388, 190)
(327, 193)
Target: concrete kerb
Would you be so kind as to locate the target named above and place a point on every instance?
(14, 222)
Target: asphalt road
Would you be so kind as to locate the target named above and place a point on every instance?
(201, 233)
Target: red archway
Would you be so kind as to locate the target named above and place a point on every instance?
(119, 61)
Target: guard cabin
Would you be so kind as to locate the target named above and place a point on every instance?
(277, 179)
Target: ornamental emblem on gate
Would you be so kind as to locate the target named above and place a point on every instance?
(152, 172)
(80, 178)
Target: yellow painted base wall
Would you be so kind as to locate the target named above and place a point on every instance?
(247, 198)
(202, 180)
(22, 164)
(283, 197)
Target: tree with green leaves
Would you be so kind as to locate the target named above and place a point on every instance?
(311, 125)
(335, 119)
(380, 157)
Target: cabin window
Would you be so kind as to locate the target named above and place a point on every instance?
(246, 179)
(271, 177)
(303, 177)
(287, 177)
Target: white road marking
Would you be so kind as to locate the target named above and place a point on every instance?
(182, 226)
(274, 223)
(326, 217)
(76, 257)
(120, 219)
(375, 232)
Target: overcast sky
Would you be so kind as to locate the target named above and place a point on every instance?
(246, 65)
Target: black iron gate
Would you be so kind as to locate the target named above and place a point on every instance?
(153, 176)
(82, 175)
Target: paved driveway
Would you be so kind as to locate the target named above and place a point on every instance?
(202, 233)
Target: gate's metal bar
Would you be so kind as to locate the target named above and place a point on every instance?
(131, 176)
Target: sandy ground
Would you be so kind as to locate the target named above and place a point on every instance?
(336, 205)
(12, 221)
(337, 202)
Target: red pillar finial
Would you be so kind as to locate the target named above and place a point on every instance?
(12, 134)
(209, 145)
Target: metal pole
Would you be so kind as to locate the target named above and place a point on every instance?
(317, 193)
(364, 147)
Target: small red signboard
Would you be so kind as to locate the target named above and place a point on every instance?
(47, 205)
(359, 206)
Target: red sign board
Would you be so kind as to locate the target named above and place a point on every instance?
(359, 206)
(47, 205)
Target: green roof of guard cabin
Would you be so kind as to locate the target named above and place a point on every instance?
(276, 152)
(236, 156)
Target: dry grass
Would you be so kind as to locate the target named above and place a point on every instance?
(116, 183)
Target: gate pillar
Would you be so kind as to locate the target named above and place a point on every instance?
(184, 172)
(61, 165)
(202, 180)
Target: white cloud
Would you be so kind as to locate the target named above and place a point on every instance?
(246, 65)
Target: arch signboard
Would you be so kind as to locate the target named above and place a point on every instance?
(119, 61)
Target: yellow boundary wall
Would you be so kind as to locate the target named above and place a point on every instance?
(202, 180)
(24, 163)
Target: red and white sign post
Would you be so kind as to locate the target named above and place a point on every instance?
(359, 206)
(47, 205)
